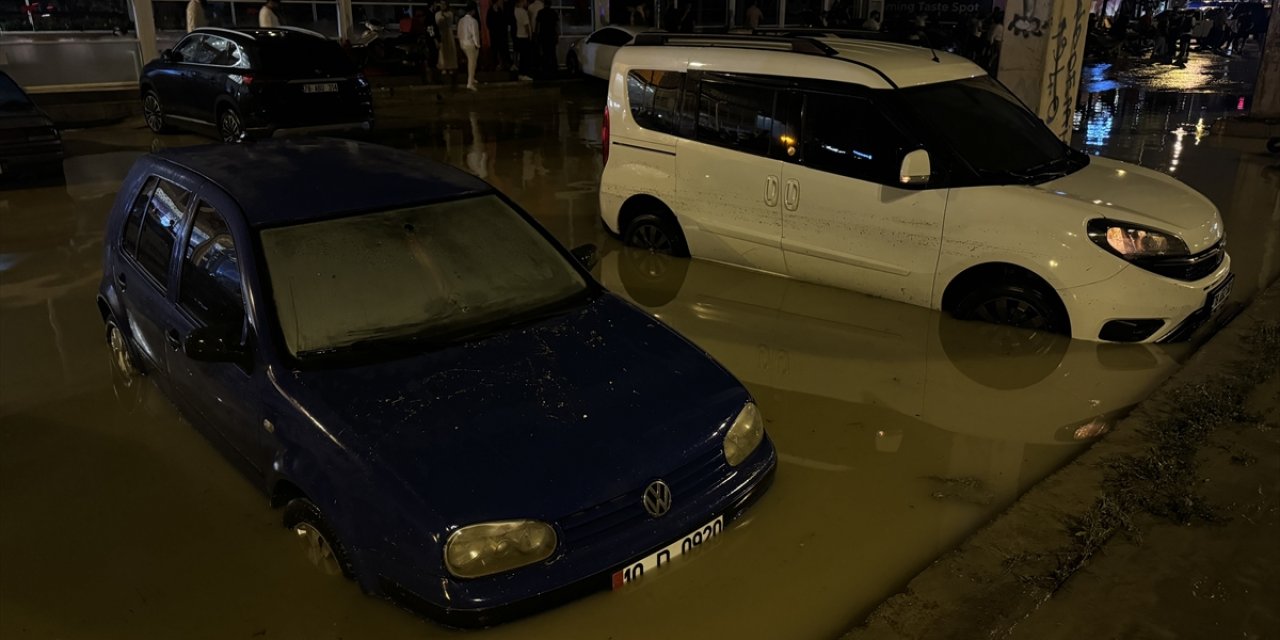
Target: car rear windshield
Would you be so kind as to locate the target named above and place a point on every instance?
(429, 274)
(303, 56)
(10, 95)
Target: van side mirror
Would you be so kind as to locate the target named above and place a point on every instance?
(217, 343)
(586, 255)
(916, 169)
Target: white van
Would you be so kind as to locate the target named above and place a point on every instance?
(903, 173)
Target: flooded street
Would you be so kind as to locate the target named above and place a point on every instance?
(899, 430)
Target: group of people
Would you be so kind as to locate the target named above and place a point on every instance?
(1215, 31)
(197, 16)
(523, 36)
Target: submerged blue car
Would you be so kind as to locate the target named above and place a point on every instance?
(446, 404)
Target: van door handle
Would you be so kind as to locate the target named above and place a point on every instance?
(771, 190)
(792, 198)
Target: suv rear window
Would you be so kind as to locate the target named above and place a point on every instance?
(303, 56)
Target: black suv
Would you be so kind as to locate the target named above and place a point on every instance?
(255, 82)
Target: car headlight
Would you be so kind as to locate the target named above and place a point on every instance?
(493, 547)
(1131, 241)
(744, 436)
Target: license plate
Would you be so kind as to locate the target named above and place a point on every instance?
(320, 87)
(667, 555)
(1219, 296)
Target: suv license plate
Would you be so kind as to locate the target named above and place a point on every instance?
(322, 87)
(1219, 296)
(665, 556)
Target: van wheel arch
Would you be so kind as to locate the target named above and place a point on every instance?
(957, 298)
(644, 204)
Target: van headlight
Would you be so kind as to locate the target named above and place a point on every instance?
(493, 547)
(744, 436)
(1132, 241)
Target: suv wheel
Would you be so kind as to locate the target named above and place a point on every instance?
(230, 129)
(123, 362)
(153, 113)
(659, 235)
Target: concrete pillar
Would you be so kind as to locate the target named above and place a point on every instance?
(144, 23)
(1266, 94)
(1042, 54)
(346, 28)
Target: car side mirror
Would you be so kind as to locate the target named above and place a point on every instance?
(916, 169)
(169, 55)
(586, 254)
(218, 343)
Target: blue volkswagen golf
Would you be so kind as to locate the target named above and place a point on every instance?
(448, 407)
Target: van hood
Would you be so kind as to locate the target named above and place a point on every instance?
(1129, 193)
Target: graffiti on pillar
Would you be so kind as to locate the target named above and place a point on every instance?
(1031, 22)
(1064, 72)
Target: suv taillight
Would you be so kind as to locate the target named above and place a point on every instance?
(604, 136)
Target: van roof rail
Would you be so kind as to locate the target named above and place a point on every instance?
(820, 32)
(795, 44)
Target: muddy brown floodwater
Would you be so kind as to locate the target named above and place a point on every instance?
(899, 430)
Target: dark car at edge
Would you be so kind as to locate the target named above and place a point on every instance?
(29, 142)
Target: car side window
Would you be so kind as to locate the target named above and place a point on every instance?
(133, 223)
(191, 49)
(226, 53)
(160, 225)
(610, 37)
(848, 135)
(654, 97)
(210, 286)
(736, 115)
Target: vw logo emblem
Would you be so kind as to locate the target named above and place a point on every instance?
(657, 498)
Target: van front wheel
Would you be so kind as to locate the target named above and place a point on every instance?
(656, 234)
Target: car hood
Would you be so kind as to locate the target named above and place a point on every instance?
(537, 422)
(1126, 192)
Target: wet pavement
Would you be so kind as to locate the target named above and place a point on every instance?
(899, 430)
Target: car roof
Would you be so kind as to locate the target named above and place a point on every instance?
(257, 34)
(869, 62)
(279, 182)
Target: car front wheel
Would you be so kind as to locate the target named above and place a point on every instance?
(319, 543)
(123, 363)
(1021, 305)
(153, 113)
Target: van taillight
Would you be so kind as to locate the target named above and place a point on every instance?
(604, 136)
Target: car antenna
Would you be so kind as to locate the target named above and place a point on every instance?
(929, 43)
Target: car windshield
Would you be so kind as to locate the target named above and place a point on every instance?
(991, 131)
(11, 97)
(430, 274)
(303, 57)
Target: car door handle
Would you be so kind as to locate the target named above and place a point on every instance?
(121, 281)
(792, 198)
(175, 342)
(771, 190)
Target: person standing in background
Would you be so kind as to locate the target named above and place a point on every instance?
(269, 14)
(754, 14)
(872, 23)
(546, 31)
(195, 15)
(534, 8)
(498, 23)
(448, 62)
(469, 37)
(524, 39)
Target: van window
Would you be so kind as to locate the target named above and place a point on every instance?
(160, 224)
(210, 288)
(654, 97)
(849, 136)
(736, 115)
(129, 239)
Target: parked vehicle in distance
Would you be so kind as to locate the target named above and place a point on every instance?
(593, 54)
(29, 143)
(903, 173)
(255, 83)
(449, 408)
